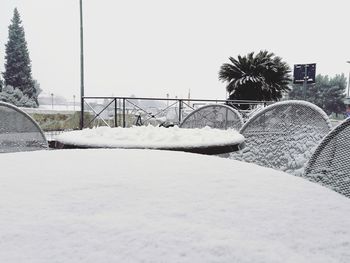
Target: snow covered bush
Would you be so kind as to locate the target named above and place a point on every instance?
(16, 97)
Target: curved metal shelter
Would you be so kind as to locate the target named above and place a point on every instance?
(215, 116)
(18, 131)
(330, 163)
(283, 135)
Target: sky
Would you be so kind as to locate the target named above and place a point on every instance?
(157, 47)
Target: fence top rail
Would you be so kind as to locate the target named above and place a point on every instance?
(180, 99)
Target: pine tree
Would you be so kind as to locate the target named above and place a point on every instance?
(18, 72)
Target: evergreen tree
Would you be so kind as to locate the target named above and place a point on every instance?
(18, 72)
(327, 93)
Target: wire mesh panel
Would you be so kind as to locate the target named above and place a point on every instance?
(215, 116)
(18, 131)
(283, 135)
(330, 163)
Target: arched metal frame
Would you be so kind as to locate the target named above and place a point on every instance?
(215, 116)
(330, 163)
(284, 135)
(19, 131)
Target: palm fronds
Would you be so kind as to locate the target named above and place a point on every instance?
(263, 76)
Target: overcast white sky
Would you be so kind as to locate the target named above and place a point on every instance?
(154, 47)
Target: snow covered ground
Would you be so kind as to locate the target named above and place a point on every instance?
(150, 137)
(118, 205)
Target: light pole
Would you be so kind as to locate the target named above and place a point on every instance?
(51, 100)
(347, 99)
(81, 67)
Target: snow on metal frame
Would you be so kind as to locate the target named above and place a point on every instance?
(18, 131)
(330, 163)
(215, 116)
(284, 135)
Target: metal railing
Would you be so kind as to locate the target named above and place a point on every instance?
(129, 111)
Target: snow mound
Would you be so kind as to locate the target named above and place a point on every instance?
(117, 205)
(150, 137)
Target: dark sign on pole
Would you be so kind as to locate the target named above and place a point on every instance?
(304, 72)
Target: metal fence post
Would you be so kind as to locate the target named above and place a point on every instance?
(82, 113)
(180, 110)
(124, 121)
(115, 113)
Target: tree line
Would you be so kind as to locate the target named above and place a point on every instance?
(18, 86)
(328, 93)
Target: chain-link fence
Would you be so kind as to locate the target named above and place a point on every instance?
(283, 135)
(330, 164)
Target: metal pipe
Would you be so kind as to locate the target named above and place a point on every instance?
(305, 82)
(196, 100)
(180, 110)
(115, 113)
(124, 122)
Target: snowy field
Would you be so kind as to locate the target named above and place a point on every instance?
(122, 205)
(150, 137)
(48, 109)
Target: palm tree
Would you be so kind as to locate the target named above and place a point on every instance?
(260, 77)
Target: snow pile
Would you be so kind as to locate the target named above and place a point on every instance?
(122, 205)
(150, 137)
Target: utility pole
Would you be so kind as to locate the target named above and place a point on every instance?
(81, 67)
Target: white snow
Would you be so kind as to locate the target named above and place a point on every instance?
(118, 205)
(150, 137)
